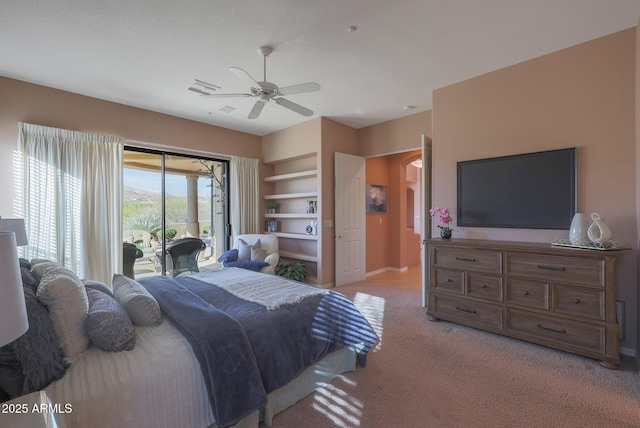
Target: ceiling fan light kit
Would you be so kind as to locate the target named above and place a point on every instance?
(265, 91)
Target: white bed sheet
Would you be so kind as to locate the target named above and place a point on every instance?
(157, 384)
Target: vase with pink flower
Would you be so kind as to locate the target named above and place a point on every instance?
(444, 217)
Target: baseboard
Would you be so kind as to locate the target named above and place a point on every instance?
(387, 269)
(376, 272)
(628, 352)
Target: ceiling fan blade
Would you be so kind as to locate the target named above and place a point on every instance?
(244, 76)
(257, 108)
(299, 89)
(226, 95)
(293, 106)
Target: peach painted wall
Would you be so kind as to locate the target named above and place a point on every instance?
(583, 97)
(26, 102)
(394, 136)
(377, 172)
(404, 244)
(387, 144)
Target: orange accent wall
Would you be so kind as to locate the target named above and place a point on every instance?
(378, 228)
(583, 97)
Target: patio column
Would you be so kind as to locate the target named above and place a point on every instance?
(193, 225)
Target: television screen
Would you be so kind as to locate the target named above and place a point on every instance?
(529, 191)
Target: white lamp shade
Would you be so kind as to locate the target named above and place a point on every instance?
(15, 225)
(13, 311)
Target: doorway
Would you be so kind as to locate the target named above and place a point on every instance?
(168, 196)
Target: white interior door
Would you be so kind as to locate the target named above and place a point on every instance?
(350, 220)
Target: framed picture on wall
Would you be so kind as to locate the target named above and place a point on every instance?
(376, 198)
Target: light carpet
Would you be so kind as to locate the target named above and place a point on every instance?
(440, 374)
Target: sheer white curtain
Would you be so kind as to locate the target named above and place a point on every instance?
(71, 198)
(245, 195)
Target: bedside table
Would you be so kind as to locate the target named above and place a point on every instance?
(33, 410)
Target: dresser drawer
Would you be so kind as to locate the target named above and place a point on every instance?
(467, 311)
(485, 287)
(556, 332)
(468, 259)
(579, 301)
(449, 280)
(575, 270)
(533, 294)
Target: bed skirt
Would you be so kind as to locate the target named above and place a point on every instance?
(315, 377)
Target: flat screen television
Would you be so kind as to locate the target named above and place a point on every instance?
(529, 191)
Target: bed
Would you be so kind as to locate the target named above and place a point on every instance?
(232, 348)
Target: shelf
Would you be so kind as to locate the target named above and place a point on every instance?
(292, 176)
(295, 236)
(290, 215)
(292, 195)
(298, 256)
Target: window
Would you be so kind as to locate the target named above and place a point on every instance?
(167, 196)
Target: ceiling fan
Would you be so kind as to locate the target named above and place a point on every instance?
(266, 91)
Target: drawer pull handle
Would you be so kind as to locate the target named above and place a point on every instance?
(470, 311)
(560, 268)
(577, 301)
(553, 330)
(484, 286)
(448, 280)
(526, 293)
(465, 259)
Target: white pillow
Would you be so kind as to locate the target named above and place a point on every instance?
(66, 298)
(142, 307)
(40, 266)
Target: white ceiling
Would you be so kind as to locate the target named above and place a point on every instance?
(146, 53)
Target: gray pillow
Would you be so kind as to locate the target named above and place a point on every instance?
(244, 249)
(141, 306)
(108, 324)
(97, 285)
(34, 360)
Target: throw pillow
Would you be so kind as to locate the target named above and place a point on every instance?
(66, 298)
(34, 360)
(29, 279)
(254, 265)
(258, 253)
(97, 285)
(141, 306)
(244, 249)
(228, 256)
(108, 324)
(40, 266)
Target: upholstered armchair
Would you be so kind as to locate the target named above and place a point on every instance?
(268, 243)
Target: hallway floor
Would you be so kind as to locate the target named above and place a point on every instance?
(411, 278)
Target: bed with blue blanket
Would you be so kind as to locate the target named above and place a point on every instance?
(238, 348)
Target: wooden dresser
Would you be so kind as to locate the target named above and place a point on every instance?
(559, 297)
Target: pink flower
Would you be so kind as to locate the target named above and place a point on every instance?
(443, 216)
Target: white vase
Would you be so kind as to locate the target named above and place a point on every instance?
(598, 231)
(578, 229)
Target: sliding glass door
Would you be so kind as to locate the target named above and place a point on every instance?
(169, 196)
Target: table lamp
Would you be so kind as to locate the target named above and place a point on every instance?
(13, 311)
(15, 225)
